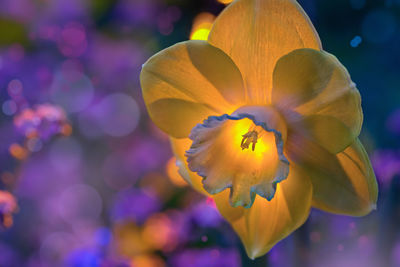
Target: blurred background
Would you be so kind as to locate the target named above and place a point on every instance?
(86, 179)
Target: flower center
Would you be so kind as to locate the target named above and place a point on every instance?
(252, 142)
(249, 138)
(242, 151)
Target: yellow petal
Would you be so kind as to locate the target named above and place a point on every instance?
(179, 147)
(328, 132)
(343, 183)
(316, 85)
(177, 117)
(267, 222)
(185, 83)
(256, 33)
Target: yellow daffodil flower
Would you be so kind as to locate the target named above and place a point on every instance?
(261, 109)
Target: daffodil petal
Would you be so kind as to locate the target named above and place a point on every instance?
(176, 116)
(328, 132)
(300, 76)
(179, 147)
(256, 33)
(344, 183)
(316, 86)
(267, 222)
(187, 81)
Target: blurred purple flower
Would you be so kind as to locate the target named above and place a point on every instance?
(44, 121)
(27, 77)
(72, 41)
(83, 258)
(210, 257)
(137, 12)
(49, 173)
(21, 10)
(110, 58)
(62, 10)
(386, 164)
(79, 202)
(8, 257)
(396, 255)
(134, 205)
(343, 227)
(142, 156)
(115, 115)
(278, 256)
(132, 161)
(205, 214)
(71, 88)
(151, 14)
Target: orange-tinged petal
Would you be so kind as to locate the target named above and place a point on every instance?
(267, 222)
(256, 33)
(344, 183)
(179, 146)
(186, 82)
(315, 85)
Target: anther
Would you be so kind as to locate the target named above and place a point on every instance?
(249, 138)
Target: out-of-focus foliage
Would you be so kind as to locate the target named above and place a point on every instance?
(12, 32)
